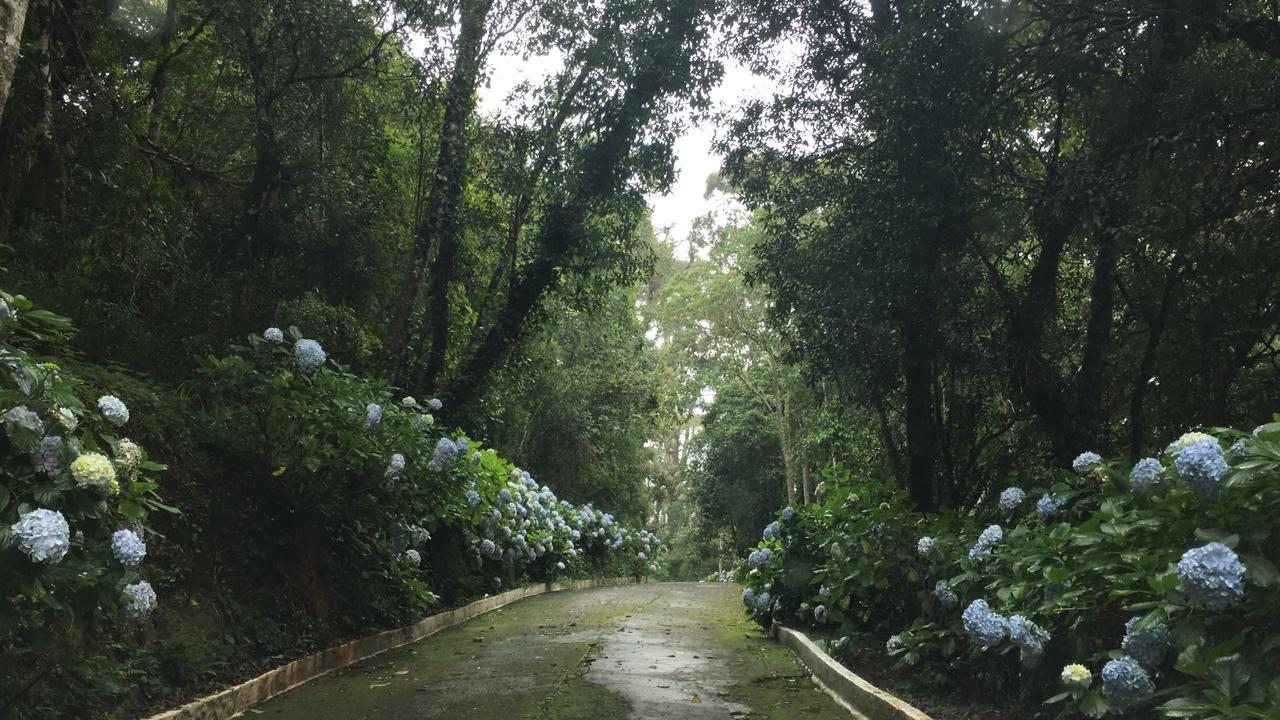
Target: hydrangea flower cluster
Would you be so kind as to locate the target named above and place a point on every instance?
(1086, 462)
(128, 456)
(985, 626)
(1029, 637)
(43, 535)
(48, 459)
(372, 415)
(395, 466)
(772, 531)
(308, 354)
(1077, 675)
(987, 542)
(945, 595)
(1125, 683)
(1212, 576)
(128, 548)
(924, 545)
(1147, 647)
(473, 498)
(139, 600)
(1048, 506)
(113, 409)
(821, 614)
(1011, 498)
(763, 602)
(94, 470)
(22, 417)
(758, 558)
(413, 557)
(749, 597)
(1145, 474)
(446, 453)
(1201, 465)
(894, 644)
(273, 334)
(788, 513)
(434, 404)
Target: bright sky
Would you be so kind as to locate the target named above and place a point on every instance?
(695, 159)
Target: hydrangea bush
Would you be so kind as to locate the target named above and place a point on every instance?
(1143, 589)
(336, 452)
(75, 495)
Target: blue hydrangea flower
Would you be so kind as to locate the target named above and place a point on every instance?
(48, 459)
(413, 557)
(758, 558)
(473, 498)
(1086, 462)
(113, 409)
(504, 495)
(763, 602)
(434, 404)
(1145, 474)
(987, 628)
(945, 595)
(1048, 506)
(924, 545)
(749, 597)
(1125, 683)
(273, 334)
(308, 354)
(444, 456)
(821, 614)
(1201, 465)
(128, 548)
(488, 548)
(1212, 576)
(1011, 498)
(43, 535)
(475, 458)
(372, 414)
(1029, 637)
(23, 417)
(772, 530)
(139, 600)
(1147, 647)
(986, 542)
(788, 513)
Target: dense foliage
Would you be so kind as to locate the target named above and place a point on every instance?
(1141, 590)
(362, 503)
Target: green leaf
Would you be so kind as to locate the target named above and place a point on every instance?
(1229, 675)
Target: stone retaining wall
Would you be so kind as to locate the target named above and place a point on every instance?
(858, 696)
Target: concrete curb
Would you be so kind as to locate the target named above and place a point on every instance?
(239, 698)
(856, 695)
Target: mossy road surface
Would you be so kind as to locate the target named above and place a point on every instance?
(656, 650)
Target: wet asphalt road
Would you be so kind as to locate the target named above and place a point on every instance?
(638, 652)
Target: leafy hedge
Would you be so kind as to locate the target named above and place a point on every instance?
(1145, 590)
(292, 472)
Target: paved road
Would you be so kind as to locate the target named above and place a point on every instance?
(640, 652)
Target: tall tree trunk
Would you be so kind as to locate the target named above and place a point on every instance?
(782, 420)
(1091, 384)
(13, 17)
(160, 78)
(441, 223)
(808, 483)
(1146, 365)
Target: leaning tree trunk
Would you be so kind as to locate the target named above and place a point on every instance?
(13, 16)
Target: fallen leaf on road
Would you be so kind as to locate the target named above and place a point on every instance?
(696, 700)
(378, 685)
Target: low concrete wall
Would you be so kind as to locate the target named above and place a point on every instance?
(239, 698)
(858, 696)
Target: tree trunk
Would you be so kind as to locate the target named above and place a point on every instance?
(160, 78)
(1091, 383)
(918, 377)
(1146, 366)
(441, 223)
(808, 483)
(13, 17)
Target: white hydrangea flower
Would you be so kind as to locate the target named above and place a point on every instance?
(43, 535)
(113, 409)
